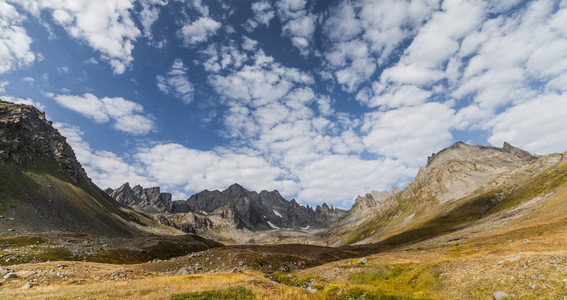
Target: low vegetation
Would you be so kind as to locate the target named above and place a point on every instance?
(237, 293)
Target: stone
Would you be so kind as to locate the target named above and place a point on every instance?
(27, 286)
(362, 261)
(184, 271)
(500, 295)
(10, 275)
(236, 270)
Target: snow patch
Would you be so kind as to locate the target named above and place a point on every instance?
(272, 225)
(277, 213)
(305, 228)
(204, 213)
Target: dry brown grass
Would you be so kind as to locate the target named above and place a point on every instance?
(160, 287)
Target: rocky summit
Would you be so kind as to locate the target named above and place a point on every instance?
(149, 200)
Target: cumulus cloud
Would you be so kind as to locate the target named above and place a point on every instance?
(436, 42)
(174, 164)
(198, 31)
(106, 169)
(106, 26)
(364, 34)
(538, 125)
(218, 57)
(15, 51)
(149, 14)
(259, 83)
(126, 115)
(176, 83)
(409, 134)
(337, 179)
(263, 13)
(298, 23)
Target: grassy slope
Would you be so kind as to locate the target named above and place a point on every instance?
(428, 219)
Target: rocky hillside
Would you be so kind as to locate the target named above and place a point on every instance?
(459, 185)
(43, 187)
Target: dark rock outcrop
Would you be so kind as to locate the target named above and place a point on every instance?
(149, 200)
(25, 134)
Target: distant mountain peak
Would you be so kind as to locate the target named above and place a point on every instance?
(463, 151)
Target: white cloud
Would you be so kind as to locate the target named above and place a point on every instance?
(15, 43)
(127, 116)
(63, 69)
(105, 25)
(259, 83)
(337, 179)
(28, 79)
(26, 101)
(353, 62)
(363, 35)
(409, 134)
(298, 23)
(538, 125)
(263, 13)
(106, 169)
(393, 96)
(174, 164)
(249, 44)
(198, 31)
(149, 14)
(176, 83)
(343, 24)
(92, 61)
(219, 57)
(436, 42)
(3, 85)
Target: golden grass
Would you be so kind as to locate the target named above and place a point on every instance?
(161, 287)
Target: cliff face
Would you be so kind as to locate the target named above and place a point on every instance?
(26, 134)
(149, 200)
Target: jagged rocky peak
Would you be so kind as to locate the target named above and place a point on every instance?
(464, 152)
(149, 200)
(25, 135)
(523, 154)
(372, 199)
(236, 190)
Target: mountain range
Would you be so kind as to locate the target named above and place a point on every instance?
(235, 210)
(459, 186)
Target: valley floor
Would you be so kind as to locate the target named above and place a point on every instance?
(529, 270)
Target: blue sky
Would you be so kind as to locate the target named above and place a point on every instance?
(321, 100)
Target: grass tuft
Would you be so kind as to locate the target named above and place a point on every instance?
(239, 292)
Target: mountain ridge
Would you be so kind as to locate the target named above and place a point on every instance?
(234, 211)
